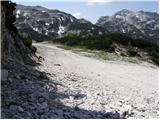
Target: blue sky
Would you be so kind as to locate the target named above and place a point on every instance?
(93, 9)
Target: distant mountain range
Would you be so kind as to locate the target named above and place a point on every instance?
(137, 24)
(44, 24)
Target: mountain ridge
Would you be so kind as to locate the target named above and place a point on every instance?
(138, 24)
(45, 24)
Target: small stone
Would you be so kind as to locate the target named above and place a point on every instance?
(148, 101)
(13, 107)
(20, 109)
(16, 117)
(140, 107)
(113, 115)
(154, 92)
(44, 105)
(119, 104)
(102, 101)
(25, 104)
(4, 74)
(143, 110)
(98, 75)
(127, 107)
(59, 112)
(122, 101)
(76, 115)
(71, 97)
(67, 115)
(125, 113)
(98, 94)
(41, 99)
(57, 65)
(43, 75)
(27, 115)
(36, 74)
(112, 106)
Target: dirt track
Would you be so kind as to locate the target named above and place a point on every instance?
(103, 86)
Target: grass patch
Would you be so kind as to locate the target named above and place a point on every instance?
(65, 47)
(98, 54)
(106, 43)
(73, 48)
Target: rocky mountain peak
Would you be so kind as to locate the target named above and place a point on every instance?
(44, 24)
(123, 12)
(137, 24)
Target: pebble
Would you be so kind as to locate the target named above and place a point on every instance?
(71, 98)
(13, 107)
(76, 115)
(96, 104)
(127, 107)
(57, 65)
(43, 105)
(4, 74)
(41, 99)
(59, 112)
(20, 109)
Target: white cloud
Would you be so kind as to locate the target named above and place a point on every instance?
(102, 2)
(94, 2)
(78, 15)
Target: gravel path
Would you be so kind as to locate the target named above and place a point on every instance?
(123, 90)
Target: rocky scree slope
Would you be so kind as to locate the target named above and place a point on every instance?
(137, 24)
(44, 24)
(16, 65)
(105, 90)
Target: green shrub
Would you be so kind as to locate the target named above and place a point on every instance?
(155, 60)
(154, 55)
(33, 49)
(132, 51)
(100, 44)
(105, 41)
(119, 38)
(27, 41)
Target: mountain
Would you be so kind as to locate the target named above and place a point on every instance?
(44, 24)
(137, 24)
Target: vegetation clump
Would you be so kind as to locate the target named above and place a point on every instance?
(132, 51)
(33, 49)
(27, 41)
(105, 43)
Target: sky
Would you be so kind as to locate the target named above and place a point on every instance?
(92, 10)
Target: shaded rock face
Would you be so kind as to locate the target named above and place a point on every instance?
(44, 24)
(12, 47)
(138, 24)
(7, 40)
